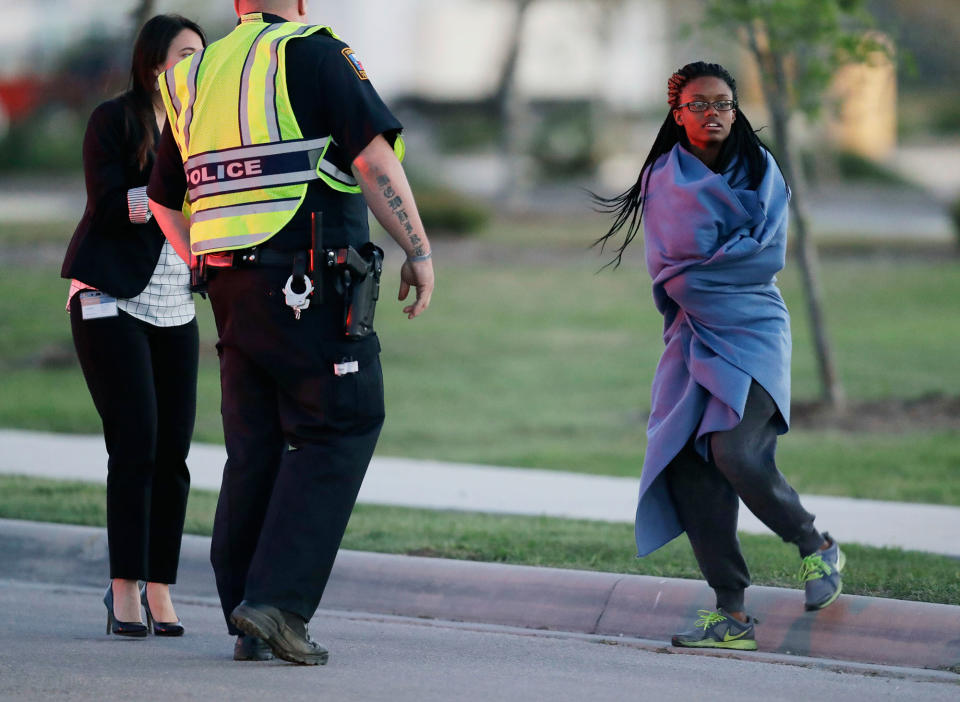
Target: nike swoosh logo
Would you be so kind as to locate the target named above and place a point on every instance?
(727, 637)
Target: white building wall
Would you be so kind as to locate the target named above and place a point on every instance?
(572, 49)
(438, 49)
(453, 49)
(456, 54)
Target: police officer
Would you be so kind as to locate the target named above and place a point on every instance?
(272, 127)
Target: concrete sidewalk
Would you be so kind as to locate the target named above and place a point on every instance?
(435, 485)
(640, 610)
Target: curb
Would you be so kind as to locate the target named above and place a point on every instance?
(859, 629)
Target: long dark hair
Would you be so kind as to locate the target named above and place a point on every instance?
(149, 51)
(627, 207)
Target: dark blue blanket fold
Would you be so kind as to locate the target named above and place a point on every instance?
(713, 249)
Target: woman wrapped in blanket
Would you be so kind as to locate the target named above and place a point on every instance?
(714, 209)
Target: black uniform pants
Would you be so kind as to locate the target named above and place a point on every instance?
(707, 497)
(143, 380)
(299, 438)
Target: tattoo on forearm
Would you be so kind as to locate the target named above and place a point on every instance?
(396, 204)
(393, 200)
(417, 243)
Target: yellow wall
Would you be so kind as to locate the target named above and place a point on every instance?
(866, 121)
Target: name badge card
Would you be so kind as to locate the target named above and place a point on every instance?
(95, 305)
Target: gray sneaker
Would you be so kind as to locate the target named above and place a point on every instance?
(820, 575)
(718, 630)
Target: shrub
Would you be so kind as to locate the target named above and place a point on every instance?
(460, 131)
(955, 217)
(855, 167)
(49, 141)
(447, 211)
(563, 144)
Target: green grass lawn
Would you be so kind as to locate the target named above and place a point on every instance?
(53, 233)
(537, 541)
(549, 364)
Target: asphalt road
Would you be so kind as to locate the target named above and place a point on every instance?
(52, 645)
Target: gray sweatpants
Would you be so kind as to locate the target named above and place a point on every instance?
(706, 495)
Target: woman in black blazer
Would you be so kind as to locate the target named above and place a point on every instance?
(136, 337)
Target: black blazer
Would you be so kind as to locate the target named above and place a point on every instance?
(107, 250)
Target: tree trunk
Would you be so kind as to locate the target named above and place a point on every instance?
(142, 11)
(508, 68)
(830, 386)
(512, 113)
(776, 89)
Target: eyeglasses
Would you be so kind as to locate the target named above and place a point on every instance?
(702, 105)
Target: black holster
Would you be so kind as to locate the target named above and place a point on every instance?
(199, 276)
(358, 280)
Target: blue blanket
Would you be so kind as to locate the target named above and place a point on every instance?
(713, 249)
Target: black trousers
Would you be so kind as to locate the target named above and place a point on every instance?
(299, 438)
(707, 498)
(143, 380)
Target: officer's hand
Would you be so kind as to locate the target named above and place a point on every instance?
(420, 276)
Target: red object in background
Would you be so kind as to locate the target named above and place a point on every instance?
(19, 96)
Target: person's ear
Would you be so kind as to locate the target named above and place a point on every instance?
(677, 117)
(302, 8)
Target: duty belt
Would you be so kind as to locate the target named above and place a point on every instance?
(252, 257)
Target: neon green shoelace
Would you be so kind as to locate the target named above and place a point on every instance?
(813, 567)
(707, 618)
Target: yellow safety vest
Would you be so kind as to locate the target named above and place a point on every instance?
(247, 169)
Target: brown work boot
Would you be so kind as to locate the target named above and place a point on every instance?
(251, 648)
(285, 633)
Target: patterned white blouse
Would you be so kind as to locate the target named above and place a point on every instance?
(166, 301)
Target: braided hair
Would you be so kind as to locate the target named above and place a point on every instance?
(627, 207)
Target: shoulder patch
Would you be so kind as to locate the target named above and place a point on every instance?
(349, 54)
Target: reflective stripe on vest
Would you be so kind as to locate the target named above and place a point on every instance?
(251, 167)
(246, 160)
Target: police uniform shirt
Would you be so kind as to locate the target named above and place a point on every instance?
(331, 96)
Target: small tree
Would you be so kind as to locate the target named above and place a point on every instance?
(798, 45)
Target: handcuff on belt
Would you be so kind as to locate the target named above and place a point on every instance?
(358, 280)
